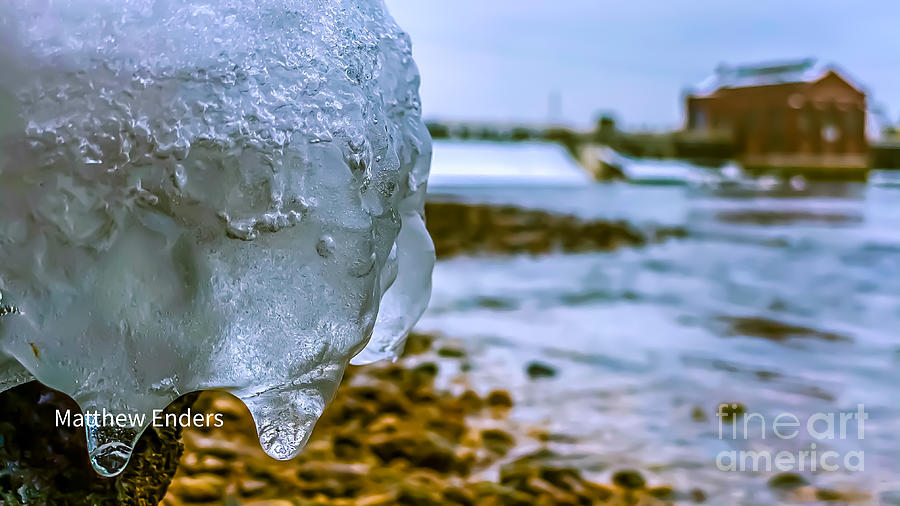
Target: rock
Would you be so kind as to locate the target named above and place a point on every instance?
(429, 369)
(420, 449)
(697, 495)
(451, 352)
(824, 494)
(469, 401)
(628, 479)
(497, 441)
(419, 496)
(489, 493)
(417, 344)
(786, 481)
(332, 479)
(201, 488)
(665, 492)
(459, 228)
(251, 486)
(537, 370)
(499, 399)
(730, 411)
(458, 495)
(195, 464)
(377, 500)
(698, 415)
(775, 330)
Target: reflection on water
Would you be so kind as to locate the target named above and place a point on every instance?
(781, 300)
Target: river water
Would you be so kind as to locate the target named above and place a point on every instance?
(783, 299)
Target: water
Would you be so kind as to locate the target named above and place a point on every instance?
(785, 301)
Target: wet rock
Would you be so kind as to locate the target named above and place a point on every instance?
(217, 447)
(451, 352)
(772, 217)
(786, 481)
(697, 495)
(197, 464)
(417, 344)
(536, 370)
(272, 502)
(458, 495)
(470, 401)
(377, 500)
(423, 450)
(665, 492)
(428, 370)
(824, 494)
(459, 228)
(201, 488)
(499, 399)
(774, 330)
(497, 441)
(730, 411)
(332, 479)
(419, 494)
(251, 486)
(698, 414)
(629, 479)
(489, 493)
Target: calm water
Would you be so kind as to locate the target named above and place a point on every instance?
(786, 301)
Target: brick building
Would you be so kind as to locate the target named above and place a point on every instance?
(792, 115)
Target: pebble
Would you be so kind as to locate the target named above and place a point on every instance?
(629, 479)
(536, 370)
(390, 437)
(200, 488)
(499, 398)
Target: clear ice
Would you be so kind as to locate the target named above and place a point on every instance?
(198, 195)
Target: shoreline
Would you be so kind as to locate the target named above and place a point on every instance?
(392, 437)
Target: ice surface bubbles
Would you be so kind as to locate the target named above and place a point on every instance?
(202, 195)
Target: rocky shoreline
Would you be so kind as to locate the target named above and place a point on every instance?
(461, 228)
(391, 437)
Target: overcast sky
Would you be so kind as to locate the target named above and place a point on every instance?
(502, 59)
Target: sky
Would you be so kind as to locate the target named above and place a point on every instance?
(503, 60)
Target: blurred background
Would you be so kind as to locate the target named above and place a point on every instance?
(644, 210)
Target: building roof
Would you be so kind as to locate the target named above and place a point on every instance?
(766, 74)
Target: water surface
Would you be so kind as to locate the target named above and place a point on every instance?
(785, 300)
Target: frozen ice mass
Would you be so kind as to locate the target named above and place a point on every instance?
(207, 194)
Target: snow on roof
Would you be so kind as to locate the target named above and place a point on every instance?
(513, 163)
(739, 76)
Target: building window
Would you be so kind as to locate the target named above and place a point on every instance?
(831, 133)
(698, 118)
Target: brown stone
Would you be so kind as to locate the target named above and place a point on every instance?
(499, 398)
(200, 488)
(497, 441)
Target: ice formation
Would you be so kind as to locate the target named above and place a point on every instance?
(207, 194)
